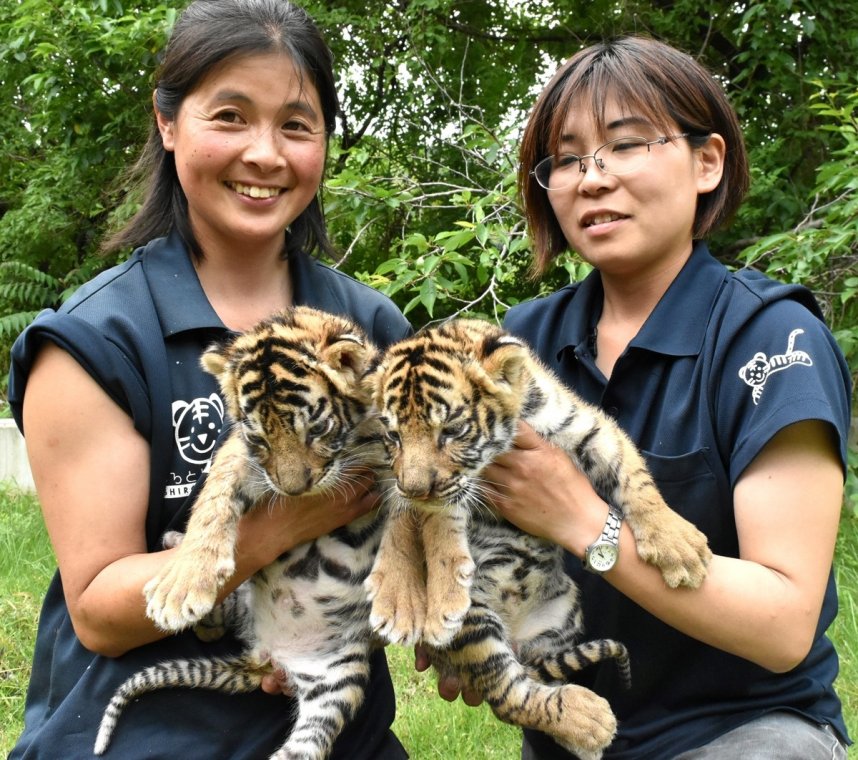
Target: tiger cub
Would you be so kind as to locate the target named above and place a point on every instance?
(292, 389)
(492, 603)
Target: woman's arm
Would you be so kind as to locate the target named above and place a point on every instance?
(765, 605)
(91, 470)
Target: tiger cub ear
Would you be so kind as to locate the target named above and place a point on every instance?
(216, 360)
(348, 355)
(371, 380)
(504, 359)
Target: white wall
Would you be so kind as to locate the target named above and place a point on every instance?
(13, 456)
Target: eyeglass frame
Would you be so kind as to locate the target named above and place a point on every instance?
(663, 140)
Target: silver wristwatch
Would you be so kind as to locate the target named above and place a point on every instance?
(602, 554)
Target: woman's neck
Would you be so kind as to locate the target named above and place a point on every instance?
(628, 303)
(245, 289)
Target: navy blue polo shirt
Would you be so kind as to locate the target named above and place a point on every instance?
(723, 363)
(139, 330)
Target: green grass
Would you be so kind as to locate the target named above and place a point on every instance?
(26, 565)
(844, 631)
(432, 729)
(429, 727)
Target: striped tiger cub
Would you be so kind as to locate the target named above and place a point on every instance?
(492, 603)
(292, 388)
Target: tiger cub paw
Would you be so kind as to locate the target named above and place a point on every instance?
(398, 610)
(211, 627)
(449, 599)
(588, 724)
(186, 588)
(677, 548)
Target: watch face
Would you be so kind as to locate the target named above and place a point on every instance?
(602, 557)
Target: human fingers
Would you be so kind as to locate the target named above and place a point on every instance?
(471, 698)
(278, 682)
(527, 438)
(421, 659)
(282, 524)
(361, 479)
(450, 687)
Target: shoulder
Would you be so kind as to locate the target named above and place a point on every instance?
(115, 307)
(774, 363)
(331, 290)
(108, 326)
(756, 311)
(531, 317)
(750, 292)
(97, 297)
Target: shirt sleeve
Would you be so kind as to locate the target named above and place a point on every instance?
(782, 367)
(102, 359)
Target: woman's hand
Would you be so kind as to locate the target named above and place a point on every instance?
(449, 687)
(270, 529)
(538, 488)
(278, 682)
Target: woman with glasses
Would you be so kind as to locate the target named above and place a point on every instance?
(731, 385)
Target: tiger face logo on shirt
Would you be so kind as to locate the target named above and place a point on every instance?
(758, 370)
(196, 426)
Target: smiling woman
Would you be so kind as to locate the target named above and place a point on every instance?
(249, 155)
(121, 421)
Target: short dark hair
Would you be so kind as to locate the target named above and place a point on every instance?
(205, 35)
(663, 84)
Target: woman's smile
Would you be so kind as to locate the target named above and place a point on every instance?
(254, 128)
(255, 191)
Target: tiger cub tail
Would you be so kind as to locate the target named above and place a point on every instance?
(230, 674)
(561, 666)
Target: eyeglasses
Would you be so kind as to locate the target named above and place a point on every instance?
(620, 156)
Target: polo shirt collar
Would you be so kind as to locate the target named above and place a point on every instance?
(312, 284)
(182, 304)
(179, 298)
(577, 324)
(677, 325)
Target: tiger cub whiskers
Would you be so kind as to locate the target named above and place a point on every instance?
(494, 605)
(299, 420)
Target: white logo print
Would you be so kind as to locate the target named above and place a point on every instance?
(757, 371)
(196, 427)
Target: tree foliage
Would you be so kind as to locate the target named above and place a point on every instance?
(420, 193)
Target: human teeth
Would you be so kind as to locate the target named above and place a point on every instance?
(254, 191)
(603, 219)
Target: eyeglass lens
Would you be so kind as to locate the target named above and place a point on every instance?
(620, 156)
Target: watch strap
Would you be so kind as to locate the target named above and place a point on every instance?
(610, 536)
(611, 531)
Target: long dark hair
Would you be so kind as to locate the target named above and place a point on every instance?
(206, 34)
(659, 82)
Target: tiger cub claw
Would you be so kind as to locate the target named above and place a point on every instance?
(185, 591)
(678, 549)
(593, 727)
(439, 632)
(449, 601)
(398, 610)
